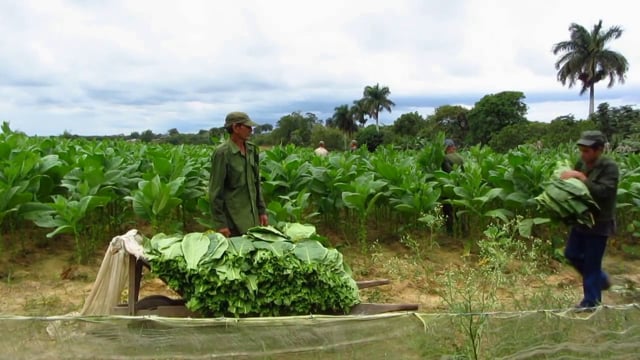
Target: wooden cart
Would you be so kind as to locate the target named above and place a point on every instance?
(164, 306)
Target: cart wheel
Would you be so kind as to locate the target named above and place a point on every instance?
(153, 301)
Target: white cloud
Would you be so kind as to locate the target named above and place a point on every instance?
(122, 66)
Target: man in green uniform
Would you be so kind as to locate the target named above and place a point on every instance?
(234, 187)
(585, 246)
(452, 160)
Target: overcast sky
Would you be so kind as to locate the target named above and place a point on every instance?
(108, 67)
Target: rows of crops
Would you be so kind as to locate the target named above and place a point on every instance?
(93, 190)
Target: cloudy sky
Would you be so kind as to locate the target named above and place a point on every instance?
(108, 67)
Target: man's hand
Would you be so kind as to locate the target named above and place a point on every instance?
(225, 231)
(264, 220)
(573, 174)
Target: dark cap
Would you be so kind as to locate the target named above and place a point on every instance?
(238, 117)
(591, 138)
(449, 142)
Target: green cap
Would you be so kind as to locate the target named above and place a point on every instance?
(238, 117)
(591, 138)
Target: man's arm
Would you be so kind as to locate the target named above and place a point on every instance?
(606, 184)
(216, 187)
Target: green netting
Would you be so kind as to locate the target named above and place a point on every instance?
(608, 333)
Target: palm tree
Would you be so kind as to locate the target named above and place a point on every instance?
(376, 99)
(358, 112)
(344, 121)
(586, 58)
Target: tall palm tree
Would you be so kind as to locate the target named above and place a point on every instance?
(587, 59)
(344, 121)
(376, 99)
(358, 112)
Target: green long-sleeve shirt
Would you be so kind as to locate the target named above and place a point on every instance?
(451, 161)
(234, 188)
(602, 182)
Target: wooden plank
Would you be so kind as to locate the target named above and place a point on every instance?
(121, 309)
(182, 311)
(372, 309)
(371, 283)
(177, 310)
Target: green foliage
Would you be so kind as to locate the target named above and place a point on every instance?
(344, 120)
(147, 136)
(294, 128)
(333, 138)
(376, 99)
(67, 216)
(617, 123)
(511, 136)
(453, 120)
(361, 196)
(165, 186)
(268, 272)
(292, 207)
(564, 129)
(431, 155)
(409, 124)
(155, 200)
(372, 137)
(358, 112)
(494, 112)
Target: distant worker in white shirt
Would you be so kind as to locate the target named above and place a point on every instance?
(321, 150)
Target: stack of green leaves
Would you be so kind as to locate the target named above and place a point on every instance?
(568, 200)
(267, 272)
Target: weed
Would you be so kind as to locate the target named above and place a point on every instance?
(394, 267)
(433, 220)
(501, 246)
(545, 298)
(375, 296)
(469, 293)
(8, 274)
(413, 245)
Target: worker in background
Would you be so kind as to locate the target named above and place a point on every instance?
(321, 150)
(452, 160)
(354, 145)
(235, 193)
(451, 157)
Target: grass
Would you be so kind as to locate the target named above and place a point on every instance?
(42, 305)
(500, 276)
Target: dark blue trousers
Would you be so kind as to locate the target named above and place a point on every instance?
(585, 251)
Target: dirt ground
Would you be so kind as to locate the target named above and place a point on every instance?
(44, 280)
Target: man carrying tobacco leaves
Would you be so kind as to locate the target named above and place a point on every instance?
(235, 193)
(586, 245)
